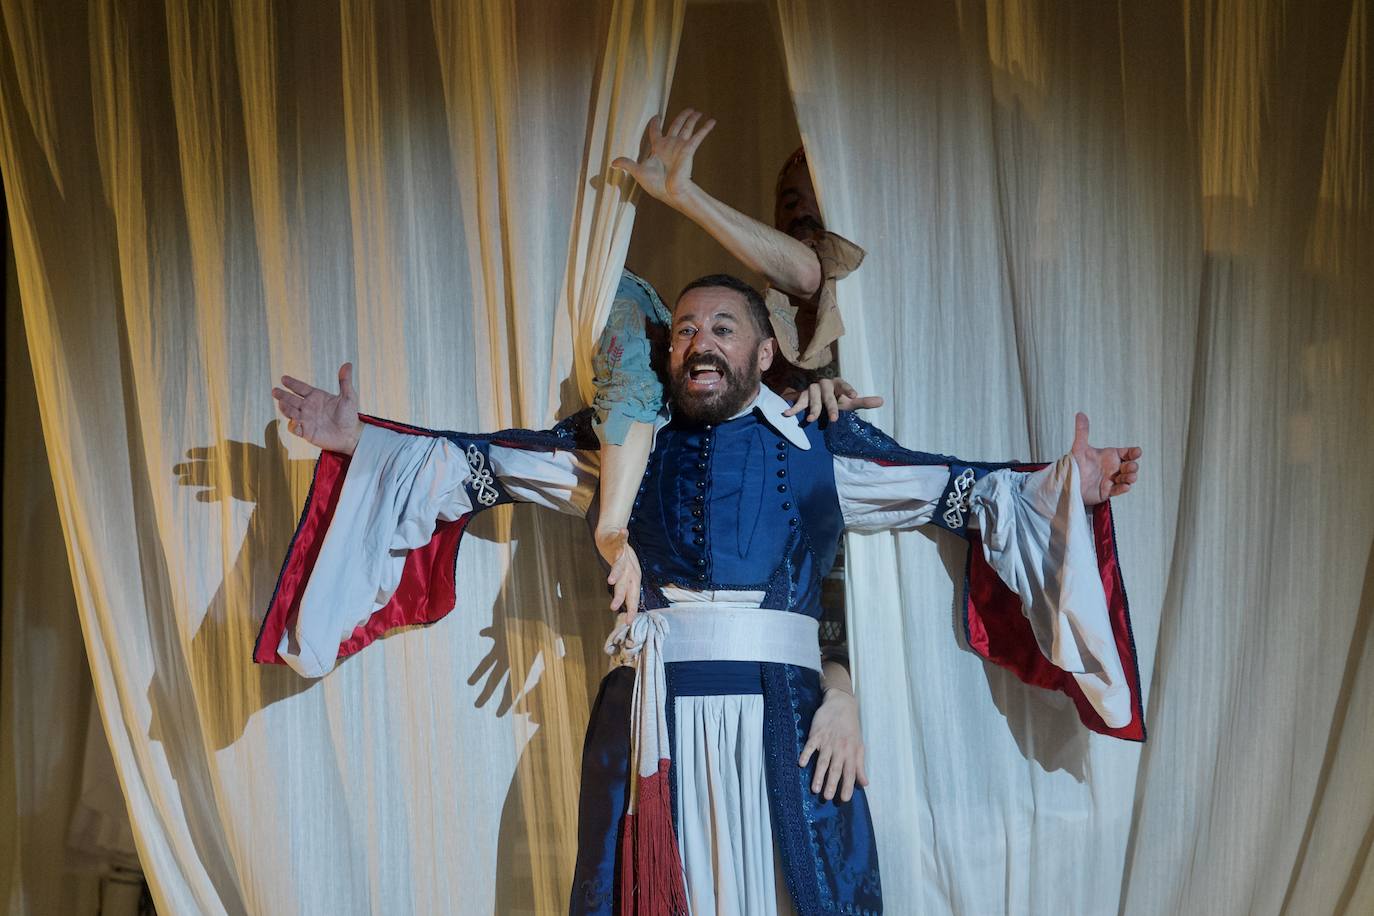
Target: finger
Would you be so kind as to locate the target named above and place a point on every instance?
(871, 400)
(847, 783)
(814, 390)
(1080, 431)
(822, 767)
(862, 770)
(675, 129)
(701, 135)
(803, 399)
(296, 385)
(618, 598)
(807, 752)
(632, 595)
(846, 389)
(690, 125)
(289, 405)
(1131, 454)
(832, 779)
(655, 128)
(831, 405)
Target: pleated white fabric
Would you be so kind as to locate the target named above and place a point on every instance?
(204, 196)
(1157, 214)
(724, 827)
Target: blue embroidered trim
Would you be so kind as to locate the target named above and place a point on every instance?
(955, 507)
(483, 489)
(796, 839)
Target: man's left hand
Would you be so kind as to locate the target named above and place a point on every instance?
(1103, 472)
(830, 395)
(838, 743)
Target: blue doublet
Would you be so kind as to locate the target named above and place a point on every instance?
(737, 506)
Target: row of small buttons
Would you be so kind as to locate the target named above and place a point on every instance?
(793, 521)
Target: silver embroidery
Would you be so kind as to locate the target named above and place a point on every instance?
(958, 502)
(479, 477)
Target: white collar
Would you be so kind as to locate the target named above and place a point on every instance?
(771, 408)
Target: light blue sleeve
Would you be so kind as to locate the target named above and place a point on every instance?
(628, 387)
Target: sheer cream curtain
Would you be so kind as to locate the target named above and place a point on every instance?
(206, 195)
(1160, 214)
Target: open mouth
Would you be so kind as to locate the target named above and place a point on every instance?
(704, 378)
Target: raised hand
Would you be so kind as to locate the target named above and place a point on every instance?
(1103, 472)
(329, 421)
(665, 172)
(831, 395)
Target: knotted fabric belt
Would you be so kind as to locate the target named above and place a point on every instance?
(651, 865)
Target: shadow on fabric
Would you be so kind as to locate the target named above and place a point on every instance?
(1045, 725)
(221, 650)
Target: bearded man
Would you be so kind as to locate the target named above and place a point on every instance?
(692, 795)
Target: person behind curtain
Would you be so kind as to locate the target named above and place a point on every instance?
(802, 263)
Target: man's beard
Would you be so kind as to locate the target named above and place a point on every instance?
(729, 398)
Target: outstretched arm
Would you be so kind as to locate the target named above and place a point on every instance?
(665, 173)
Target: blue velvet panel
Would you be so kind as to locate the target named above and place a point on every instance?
(604, 792)
(829, 855)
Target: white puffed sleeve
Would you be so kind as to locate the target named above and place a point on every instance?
(1036, 534)
(398, 486)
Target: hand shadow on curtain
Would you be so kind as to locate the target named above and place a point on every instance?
(221, 650)
(1044, 724)
(551, 603)
(542, 631)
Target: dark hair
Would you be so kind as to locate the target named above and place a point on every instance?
(758, 312)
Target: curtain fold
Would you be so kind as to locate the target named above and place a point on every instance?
(1150, 214)
(204, 196)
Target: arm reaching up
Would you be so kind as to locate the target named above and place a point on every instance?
(665, 173)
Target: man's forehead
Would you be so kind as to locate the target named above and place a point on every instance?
(707, 302)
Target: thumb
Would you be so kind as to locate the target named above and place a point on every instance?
(1080, 431)
(346, 382)
(626, 164)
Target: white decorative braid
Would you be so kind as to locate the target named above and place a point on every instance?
(479, 477)
(958, 501)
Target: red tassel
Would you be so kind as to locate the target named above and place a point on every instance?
(650, 864)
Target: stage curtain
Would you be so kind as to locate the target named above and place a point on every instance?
(204, 196)
(1159, 214)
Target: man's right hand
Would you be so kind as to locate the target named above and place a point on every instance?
(665, 173)
(329, 421)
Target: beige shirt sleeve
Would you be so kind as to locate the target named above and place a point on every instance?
(806, 328)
